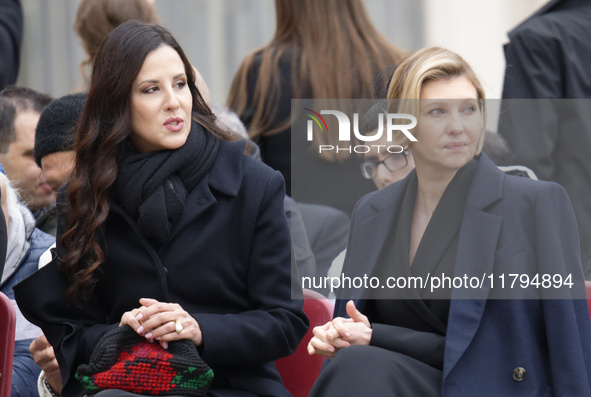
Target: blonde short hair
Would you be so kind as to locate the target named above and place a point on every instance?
(429, 64)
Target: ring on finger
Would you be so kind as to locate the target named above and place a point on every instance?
(178, 326)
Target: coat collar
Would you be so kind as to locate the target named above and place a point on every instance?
(487, 185)
(486, 189)
(224, 177)
(226, 174)
(374, 228)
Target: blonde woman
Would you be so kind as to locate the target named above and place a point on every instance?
(457, 216)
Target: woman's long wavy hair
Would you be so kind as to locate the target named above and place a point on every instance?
(103, 128)
(335, 53)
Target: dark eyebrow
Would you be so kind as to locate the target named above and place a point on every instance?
(157, 81)
(147, 81)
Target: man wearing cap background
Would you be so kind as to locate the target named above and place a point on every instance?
(54, 153)
(20, 109)
(54, 140)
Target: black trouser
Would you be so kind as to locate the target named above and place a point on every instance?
(373, 371)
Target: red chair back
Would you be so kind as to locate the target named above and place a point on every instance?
(7, 327)
(588, 291)
(300, 370)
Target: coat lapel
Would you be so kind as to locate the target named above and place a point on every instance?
(373, 231)
(224, 177)
(198, 201)
(475, 258)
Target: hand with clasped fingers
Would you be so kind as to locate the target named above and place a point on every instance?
(341, 332)
(162, 322)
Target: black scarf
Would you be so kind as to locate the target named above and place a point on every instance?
(153, 186)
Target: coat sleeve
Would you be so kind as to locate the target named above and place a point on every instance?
(275, 324)
(567, 321)
(72, 330)
(426, 347)
(300, 244)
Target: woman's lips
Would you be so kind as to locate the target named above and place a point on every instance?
(174, 124)
(455, 145)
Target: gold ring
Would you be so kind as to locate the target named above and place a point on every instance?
(178, 327)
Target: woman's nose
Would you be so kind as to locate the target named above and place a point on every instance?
(456, 125)
(172, 102)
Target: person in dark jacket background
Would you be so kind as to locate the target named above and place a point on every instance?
(546, 100)
(167, 227)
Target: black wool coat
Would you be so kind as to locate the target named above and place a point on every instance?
(227, 263)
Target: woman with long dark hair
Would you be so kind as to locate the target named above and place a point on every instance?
(168, 228)
(325, 50)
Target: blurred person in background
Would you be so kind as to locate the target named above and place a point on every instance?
(326, 49)
(95, 19)
(25, 244)
(545, 116)
(54, 138)
(386, 161)
(20, 109)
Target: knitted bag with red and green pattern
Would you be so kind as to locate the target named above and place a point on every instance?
(126, 361)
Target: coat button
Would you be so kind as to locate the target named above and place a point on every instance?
(519, 374)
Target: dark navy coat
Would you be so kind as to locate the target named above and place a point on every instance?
(227, 263)
(510, 225)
